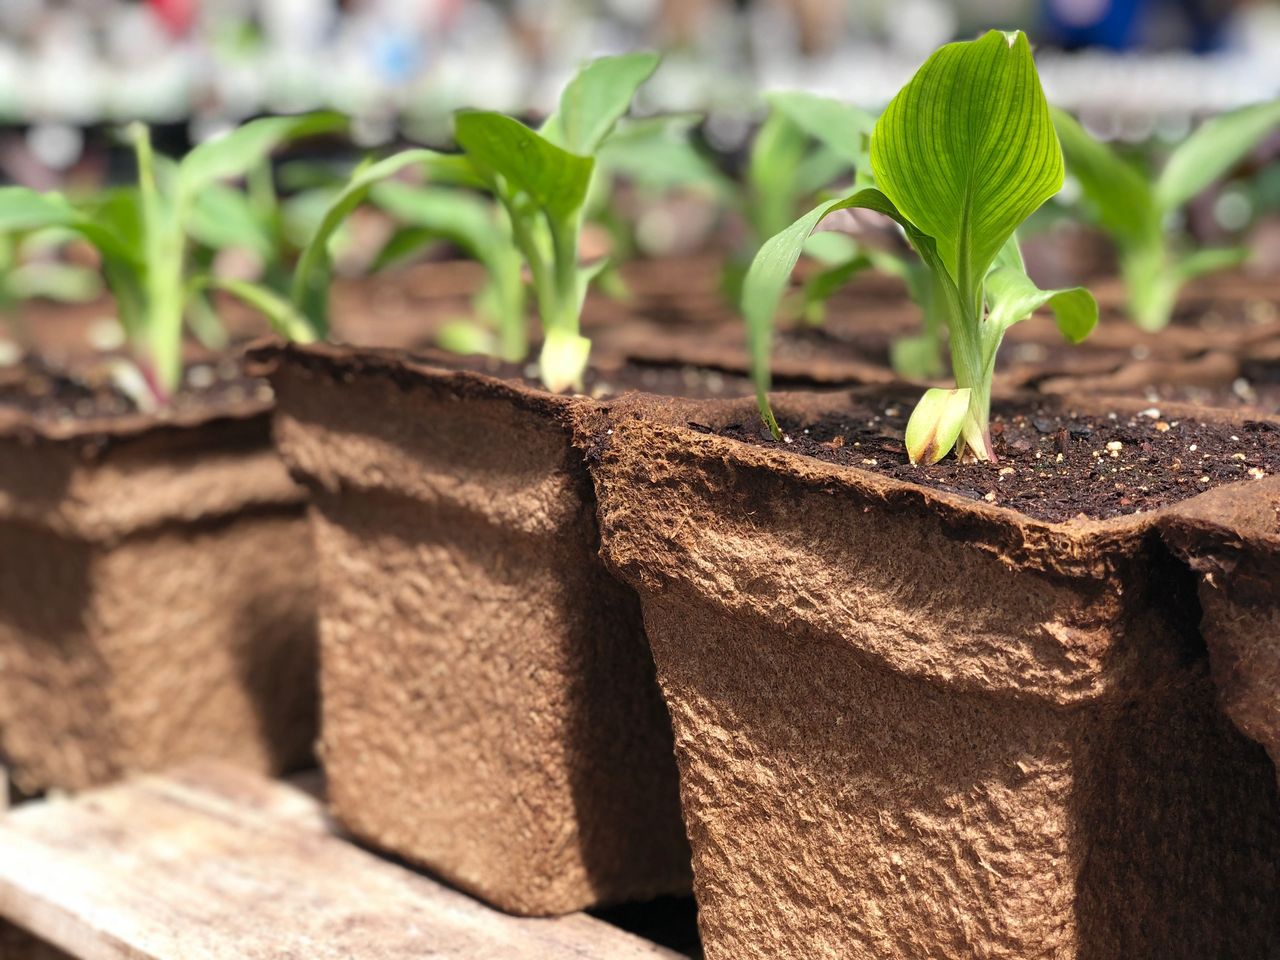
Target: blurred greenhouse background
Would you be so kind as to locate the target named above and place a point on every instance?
(73, 71)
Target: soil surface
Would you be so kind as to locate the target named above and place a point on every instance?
(1054, 464)
(91, 393)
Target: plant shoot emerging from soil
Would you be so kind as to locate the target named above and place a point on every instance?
(1136, 212)
(142, 234)
(961, 157)
(541, 181)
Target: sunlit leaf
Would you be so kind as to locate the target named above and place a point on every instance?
(967, 151)
(555, 179)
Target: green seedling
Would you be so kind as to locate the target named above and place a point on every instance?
(843, 132)
(805, 144)
(654, 154)
(540, 180)
(961, 157)
(482, 231)
(1137, 212)
(142, 234)
(657, 158)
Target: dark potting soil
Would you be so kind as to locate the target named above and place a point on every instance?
(91, 393)
(1054, 464)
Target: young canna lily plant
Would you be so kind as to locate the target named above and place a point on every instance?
(142, 235)
(1136, 212)
(540, 180)
(961, 157)
(844, 131)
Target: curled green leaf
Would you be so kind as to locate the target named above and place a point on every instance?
(936, 424)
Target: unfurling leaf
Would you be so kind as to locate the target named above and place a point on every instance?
(1013, 296)
(936, 423)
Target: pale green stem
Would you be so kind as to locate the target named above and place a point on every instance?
(164, 245)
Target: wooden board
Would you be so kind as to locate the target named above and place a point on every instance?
(211, 863)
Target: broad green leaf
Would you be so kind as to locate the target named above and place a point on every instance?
(1012, 296)
(237, 152)
(283, 316)
(596, 99)
(556, 180)
(936, 424)
(222, 217)
(1210, 261)
(966, 150)
(1216, 147)
(310, 291)
(1125, 205)
(842, 128)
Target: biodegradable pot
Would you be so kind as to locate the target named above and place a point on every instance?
(156, 600)
(489, 704)
(1233, 543)
(913, 725)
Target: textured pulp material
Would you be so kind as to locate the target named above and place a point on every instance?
(910, 725)
(156, 599)
(1234, 545)
(489, 704)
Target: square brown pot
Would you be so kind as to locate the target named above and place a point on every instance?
(489, 703)
(912, 725)
(1233, 543)
(156, 598)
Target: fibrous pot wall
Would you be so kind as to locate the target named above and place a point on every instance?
(156, 603)
(490, 710)
(910, 725)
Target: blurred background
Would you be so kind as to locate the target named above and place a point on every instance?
(1142, 72)
(398, 66)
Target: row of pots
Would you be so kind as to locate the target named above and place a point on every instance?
(905, 723)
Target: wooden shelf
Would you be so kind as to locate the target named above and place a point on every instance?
(212, 863)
